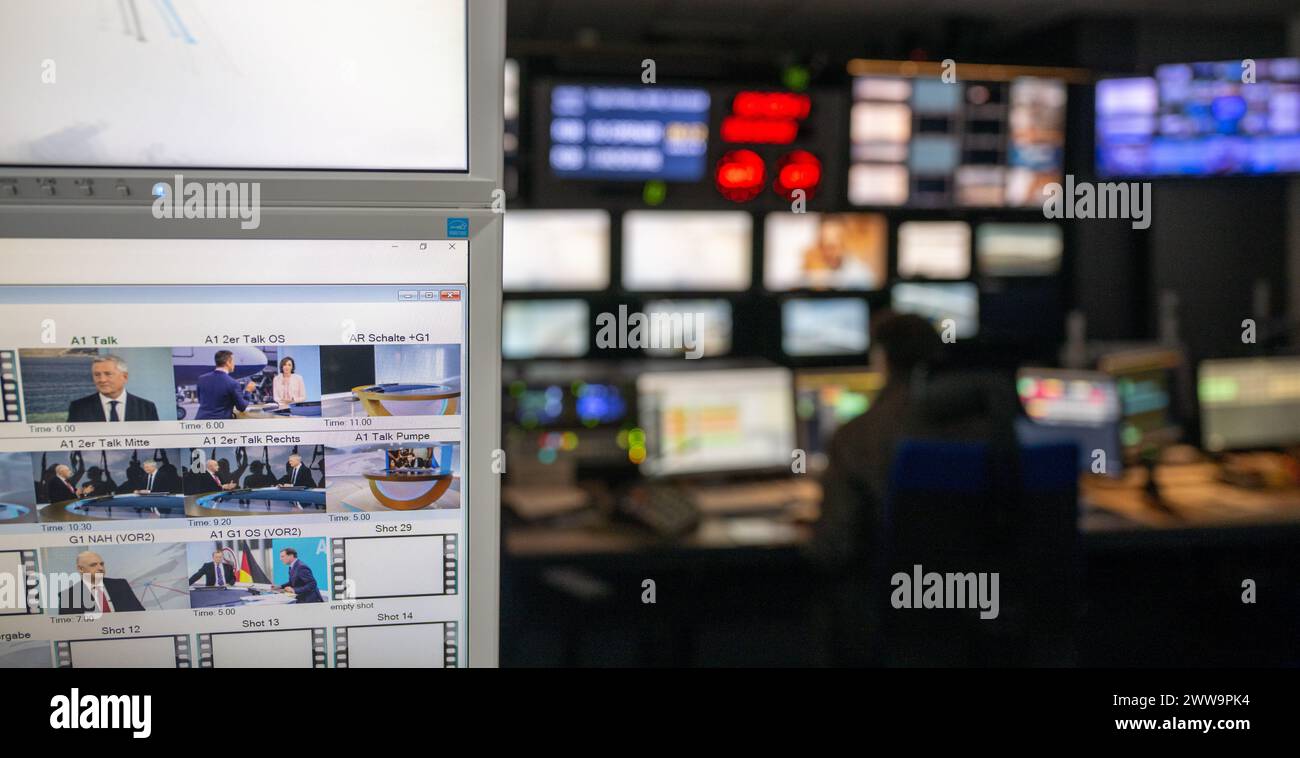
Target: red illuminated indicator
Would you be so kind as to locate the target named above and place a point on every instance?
(759, 130)
(772, 105)
(799, 170)
(741, 175)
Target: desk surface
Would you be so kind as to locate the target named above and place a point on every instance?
(1199, 507)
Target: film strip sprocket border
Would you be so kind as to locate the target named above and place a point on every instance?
(317, 644)
(180, 642)
(31, 586)
(339, 568)
(450, 641)
(10, 410)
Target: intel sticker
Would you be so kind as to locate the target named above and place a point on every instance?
(458, 227)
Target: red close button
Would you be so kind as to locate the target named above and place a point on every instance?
(449, 295)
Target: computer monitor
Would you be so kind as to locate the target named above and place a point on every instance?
(1146, 382)
(705, 330)
(1249, 403)
(838, 251)
(564, 250)
(1007, 250)
(234, 419)
(934, 250)
(824, 326)
(920, 141)
(629, 133)
(545, 329)
(1079, 407)
(939, 303)
(670, 251)
(825, 400)
(1201, 119)
(710, 422)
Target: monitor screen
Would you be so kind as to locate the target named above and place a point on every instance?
(956, 301)
(1079, 407)
(705, 327)
(716, 421)
(838, 251)
(923, 142)
(1145, 379)
(669, 251)
(825, 400)
(834, 326)
(545, 329)
(232, 452)
(293, 84)
(1004, 250)
(1201, 119)
(934, 250)
(629, 133)
(1249, 403)
(555, 250)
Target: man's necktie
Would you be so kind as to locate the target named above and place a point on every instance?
(103, 601)
(112, 411)
(221, 574)
(150, 485)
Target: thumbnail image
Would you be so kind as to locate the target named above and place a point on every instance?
(255, 480)
(104, 484)
(247, 381)
(159, 652)
(390, 380)
(85, 385)
(834, 251)
(248, 573)
(17, 498)
(263, 649)
(25, 654)
(381, 478)
(115, 578)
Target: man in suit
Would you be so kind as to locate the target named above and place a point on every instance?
(302, 583)
(62, 487)
(156, 482)
(299, 475)
(211, 576)
(96, 593)
(212, 480)
(219, 394)
(112, 402)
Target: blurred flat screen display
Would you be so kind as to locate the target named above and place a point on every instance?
(1018, 249)
(1249, 403)
(629, 133)
(1201, 119)
(923, 142)
(709, 331)
(934, 250)
(669, 251)
(832, 326)
(716, 421)
(545, 329)
(291, 84)
(937, 303)
(555, 250)
(836, 251)
(1073, 407)
(825, 400)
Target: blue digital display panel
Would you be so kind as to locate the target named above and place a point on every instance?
(1239, 117)
(629, 133)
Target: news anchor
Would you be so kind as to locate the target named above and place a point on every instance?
(219, 394)
(211, 576)
(112, 402)
(302, 583)
(157, 482)
(96, 593)
(62, 487)
(299, 475)
(288, 386)
(212, 480)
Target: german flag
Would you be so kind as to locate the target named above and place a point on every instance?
(248, 570)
